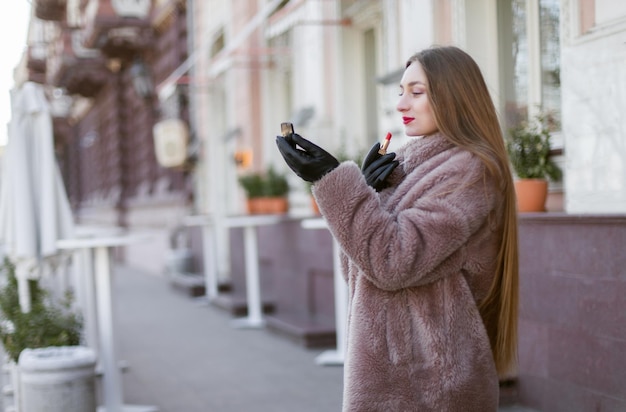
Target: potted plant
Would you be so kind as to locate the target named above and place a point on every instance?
(528, 146)
(266, 191)
(48, 324)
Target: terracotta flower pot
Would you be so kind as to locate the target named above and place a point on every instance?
(531, 195)
(314, 206)
(267, 205)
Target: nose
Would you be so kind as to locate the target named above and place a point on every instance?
(402, 105)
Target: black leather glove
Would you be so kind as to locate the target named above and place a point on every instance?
(376, 167)
(310, 161)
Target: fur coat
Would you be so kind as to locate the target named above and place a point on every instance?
(417, 257)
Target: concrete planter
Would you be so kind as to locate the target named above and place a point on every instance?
(57, 379)
(179, 261)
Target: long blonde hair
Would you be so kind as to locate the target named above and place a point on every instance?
(465, 114)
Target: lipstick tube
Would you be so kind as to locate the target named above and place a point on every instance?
(385, 145)
(286, 129)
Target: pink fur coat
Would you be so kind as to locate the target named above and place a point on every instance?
(417, 257)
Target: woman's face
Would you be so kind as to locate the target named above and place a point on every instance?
(414, 105)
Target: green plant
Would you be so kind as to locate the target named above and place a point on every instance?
(47, 324)
(269, 183)
(528, 146)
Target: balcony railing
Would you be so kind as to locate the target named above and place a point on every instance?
(53, 10)
(36, 63)
(77, 69)
(119, 28)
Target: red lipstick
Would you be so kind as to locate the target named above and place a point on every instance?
(385, 145)
(407, 120)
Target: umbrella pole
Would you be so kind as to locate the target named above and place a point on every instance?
(21, 272)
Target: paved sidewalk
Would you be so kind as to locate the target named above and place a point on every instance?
(184, 356)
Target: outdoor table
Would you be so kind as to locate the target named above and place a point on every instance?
(334, 356)
(249, 223)
(112, 382)
(85, 285)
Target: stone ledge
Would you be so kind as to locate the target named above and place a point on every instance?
(308, 332)
(190, 284)
(567, 218)
(237, 305)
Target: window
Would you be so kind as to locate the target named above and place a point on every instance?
(550, 62)
(531, 59)
(530, 71)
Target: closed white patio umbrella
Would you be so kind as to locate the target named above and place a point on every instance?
(34, 209)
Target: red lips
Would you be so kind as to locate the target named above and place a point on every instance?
(407, 120)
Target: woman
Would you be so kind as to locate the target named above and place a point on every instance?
(429, 241)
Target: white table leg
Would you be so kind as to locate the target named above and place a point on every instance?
(336, 357)
(89, 309)
(253, 286)
(112, 386)
(112, 379)
(210, 258)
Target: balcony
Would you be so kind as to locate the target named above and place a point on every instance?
(52, 10)
(36, 63)
(80, 71)
(118, 28)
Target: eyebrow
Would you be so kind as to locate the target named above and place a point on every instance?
(414, 83)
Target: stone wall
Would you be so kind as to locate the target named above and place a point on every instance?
(593, 95)
(572, 330)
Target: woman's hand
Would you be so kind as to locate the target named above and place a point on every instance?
(376, 167)
(310, 161)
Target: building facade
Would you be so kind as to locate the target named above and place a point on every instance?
(234, 70)
(100, 61)
(333, 67)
